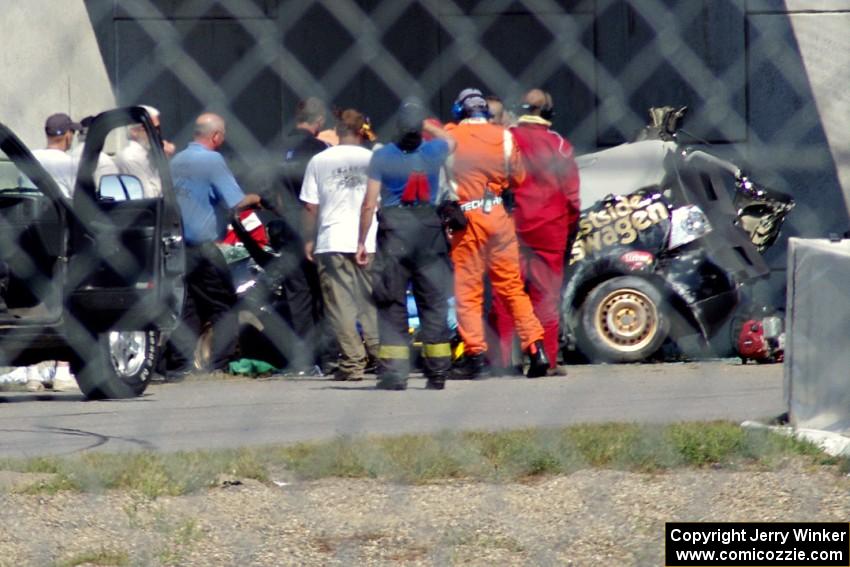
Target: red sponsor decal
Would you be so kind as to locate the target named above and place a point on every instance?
(637, 259)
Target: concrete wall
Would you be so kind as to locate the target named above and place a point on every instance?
(50, 62)
(799, 116)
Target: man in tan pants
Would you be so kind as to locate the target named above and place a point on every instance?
(333, 191)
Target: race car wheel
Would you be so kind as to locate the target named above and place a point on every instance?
(115, 364)
(622, 320)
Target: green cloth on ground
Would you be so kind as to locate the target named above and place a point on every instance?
(251, 367)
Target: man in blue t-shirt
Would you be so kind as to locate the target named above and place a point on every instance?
(411, 248)
(207, 194)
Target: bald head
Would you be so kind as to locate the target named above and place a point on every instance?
(537, 102)
(210, 130)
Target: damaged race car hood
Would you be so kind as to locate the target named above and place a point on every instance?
(643, 219)
(710, 183)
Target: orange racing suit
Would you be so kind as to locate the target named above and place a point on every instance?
(488, 244)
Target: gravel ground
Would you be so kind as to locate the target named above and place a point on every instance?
(592, 517)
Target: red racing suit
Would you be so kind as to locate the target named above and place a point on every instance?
(546, 209)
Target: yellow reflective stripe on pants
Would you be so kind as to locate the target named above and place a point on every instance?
(437, 350)
(393, 352)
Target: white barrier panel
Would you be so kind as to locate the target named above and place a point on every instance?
(817, 355)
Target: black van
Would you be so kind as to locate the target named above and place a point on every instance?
(96, 280)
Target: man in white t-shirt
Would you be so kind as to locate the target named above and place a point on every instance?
(135, 158)
(62, 167)
(55, 159)
(333, 190)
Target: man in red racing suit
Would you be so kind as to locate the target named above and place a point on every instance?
(545, 212)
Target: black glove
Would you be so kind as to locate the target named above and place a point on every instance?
(452, 215)
(509, 200)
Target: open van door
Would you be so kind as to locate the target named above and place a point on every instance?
(127, 256)
(33, 221)
(128, 253)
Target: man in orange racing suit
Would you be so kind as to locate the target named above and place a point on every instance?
(486, 162)
(546, 210)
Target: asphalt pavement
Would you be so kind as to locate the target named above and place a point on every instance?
(235, 412)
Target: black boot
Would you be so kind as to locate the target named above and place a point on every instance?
(468, 367)
(372, 365)
(391, 382)
(436, 382)
(539, 361)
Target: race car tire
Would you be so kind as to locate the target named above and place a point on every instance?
(624, 319)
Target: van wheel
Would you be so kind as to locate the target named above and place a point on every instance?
(623, 319)
(118, 364)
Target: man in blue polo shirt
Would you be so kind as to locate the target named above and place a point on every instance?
(207, 194)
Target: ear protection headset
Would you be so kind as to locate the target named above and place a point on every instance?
(547, 112)
(458, 110)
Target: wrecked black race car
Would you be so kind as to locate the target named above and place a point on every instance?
(667, 238)
(258, 274)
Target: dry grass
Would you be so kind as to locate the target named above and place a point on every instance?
(487, 456)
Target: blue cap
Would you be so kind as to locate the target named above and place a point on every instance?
(59, 123)
(411, 113)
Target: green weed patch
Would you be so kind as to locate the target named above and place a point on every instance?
(501, 456)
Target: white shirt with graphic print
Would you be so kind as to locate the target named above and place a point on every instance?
(335, 180)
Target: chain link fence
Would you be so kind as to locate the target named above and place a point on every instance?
(754, 77)
(761, 80)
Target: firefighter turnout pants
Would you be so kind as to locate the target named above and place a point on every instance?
(412, 248)
(488, 245)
